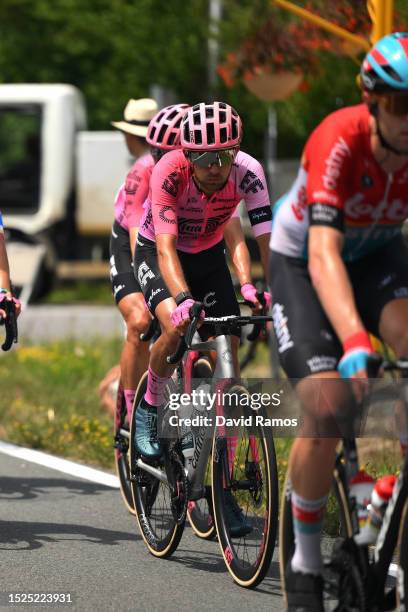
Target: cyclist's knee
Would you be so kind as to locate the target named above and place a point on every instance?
(400, 346)
(137, 323)
(329, 407)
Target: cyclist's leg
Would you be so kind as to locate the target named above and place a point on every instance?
(135, 354)
(394, 331)
(381, 282)
(161, 304)
(309, 352)
(129, 299)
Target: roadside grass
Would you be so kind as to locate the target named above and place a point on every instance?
(49, 399)
(81, 292)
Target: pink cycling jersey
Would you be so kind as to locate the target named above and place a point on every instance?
(133, 193)
(177, 206)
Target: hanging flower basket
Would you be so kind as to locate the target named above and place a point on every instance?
(271, 87)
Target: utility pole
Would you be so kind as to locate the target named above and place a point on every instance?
(214, 16)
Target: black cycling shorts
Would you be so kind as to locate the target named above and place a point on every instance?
(206, 273)
(307, 343)
(121, 265)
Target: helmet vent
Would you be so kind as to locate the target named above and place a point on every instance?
(162, 132)
(223, 134)
(210, 133)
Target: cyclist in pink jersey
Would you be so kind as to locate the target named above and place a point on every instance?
(180, 257)
(163, 134)
(339, 263)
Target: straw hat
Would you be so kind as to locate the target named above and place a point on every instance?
(137, 115)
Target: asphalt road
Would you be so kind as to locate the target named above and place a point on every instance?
(62, 534)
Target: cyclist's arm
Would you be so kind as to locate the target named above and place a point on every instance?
(263, 245)
(4, 265)
(331, 281)
(169, 264)
(238, 250)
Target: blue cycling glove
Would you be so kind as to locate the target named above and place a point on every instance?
(356, 348)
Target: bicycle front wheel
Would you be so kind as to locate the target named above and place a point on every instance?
(245, 496)
(152, 498)
(121, 445)
(402, 576)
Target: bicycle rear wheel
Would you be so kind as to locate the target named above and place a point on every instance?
(341, 577)
(200, 512)
(160, 530)
(247, 477)
(402, 576)
(121, 445)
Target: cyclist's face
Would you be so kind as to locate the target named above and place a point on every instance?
(211, 169)
(393, 118)
(212, 178)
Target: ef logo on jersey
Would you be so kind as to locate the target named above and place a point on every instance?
(144, 273)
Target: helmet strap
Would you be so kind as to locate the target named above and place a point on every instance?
(373, 108)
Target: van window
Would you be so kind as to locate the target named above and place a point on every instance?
(20, 158)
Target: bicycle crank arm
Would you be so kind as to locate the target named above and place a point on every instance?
(152, 470)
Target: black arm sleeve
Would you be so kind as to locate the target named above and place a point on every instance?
(325, 214)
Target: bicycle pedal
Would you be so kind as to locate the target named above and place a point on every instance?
(120, 443)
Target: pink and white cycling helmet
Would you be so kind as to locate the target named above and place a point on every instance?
(210, 127)
(164, 129)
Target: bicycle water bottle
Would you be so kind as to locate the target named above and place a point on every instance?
(380, 497)
(361, 487)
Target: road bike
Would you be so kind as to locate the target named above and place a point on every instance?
(357, 578)
(242, 461)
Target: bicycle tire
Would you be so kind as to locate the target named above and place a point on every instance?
(402, 576)
(247, 557)
(121, 445)
(160, 531)
(200, 512)
(333, 535)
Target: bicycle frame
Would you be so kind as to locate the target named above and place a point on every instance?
(196, 471)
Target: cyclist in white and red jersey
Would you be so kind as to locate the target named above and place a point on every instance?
(163, 135)
(338, 261)
(180, 254)
(5, 284)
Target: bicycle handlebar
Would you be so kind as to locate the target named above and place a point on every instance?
(376, 362)
(226, 322)
(254, 334)
(10, 323)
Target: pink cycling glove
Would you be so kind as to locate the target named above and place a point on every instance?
(4, 298)
(182, 312)
(248, 292)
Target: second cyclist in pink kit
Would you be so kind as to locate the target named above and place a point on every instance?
(180, 256)
(163, 134)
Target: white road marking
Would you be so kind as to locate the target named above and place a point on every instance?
(61, 465)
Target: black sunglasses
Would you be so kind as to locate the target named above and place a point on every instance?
(205, 159)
